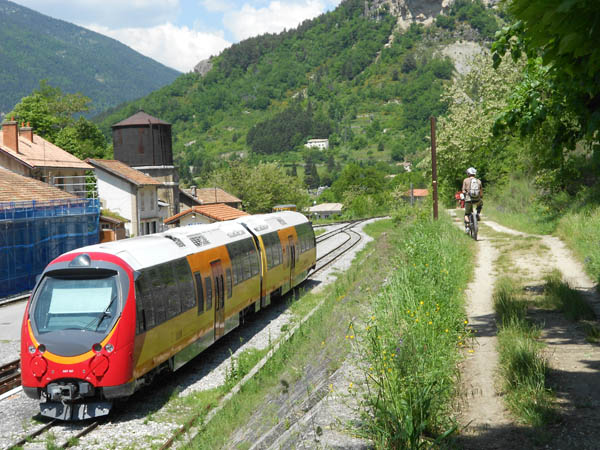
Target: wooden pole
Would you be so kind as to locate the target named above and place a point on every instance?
(434, 170)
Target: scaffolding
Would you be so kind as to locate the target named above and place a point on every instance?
(33, 233)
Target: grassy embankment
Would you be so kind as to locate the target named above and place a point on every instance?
(415, 337)
(417, 318)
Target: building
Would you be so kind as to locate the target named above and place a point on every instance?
(325, 210)
(131, 194)
(215, 212)
(417, 194)
(144, 143)
(112, 226)
(39, 222)
(321, 144)
(27, 154)
(208, 196)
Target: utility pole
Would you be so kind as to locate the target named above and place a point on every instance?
(434, 170)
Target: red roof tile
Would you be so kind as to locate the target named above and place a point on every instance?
(417, 193)
(122, 170)
(213, 195)
(216, 211)
(42, 153)
(17, 188)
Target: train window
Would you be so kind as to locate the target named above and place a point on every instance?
(158, 297)
(246, 264)
(199, 292)
(186, 285)
(208, 282)
(229, 286)
(169, 290)
(139, 308)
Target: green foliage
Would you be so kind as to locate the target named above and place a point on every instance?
(564, 298)
(558, 102)
(580, 229)
(36, 47)
(259, 187)
(523, 366)
(52, 113)
(475, 13)
(287, 130)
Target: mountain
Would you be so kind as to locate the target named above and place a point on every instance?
(361, 75)
(35, 47)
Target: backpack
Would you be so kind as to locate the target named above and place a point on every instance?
(475, 189)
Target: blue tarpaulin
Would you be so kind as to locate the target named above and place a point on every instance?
(34, 233)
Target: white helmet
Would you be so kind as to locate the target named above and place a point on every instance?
(471, 171)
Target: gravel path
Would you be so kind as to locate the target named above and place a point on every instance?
(574, 362)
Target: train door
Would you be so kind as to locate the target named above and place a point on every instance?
(292, 259)
(219, 297)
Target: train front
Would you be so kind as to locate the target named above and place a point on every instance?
(77, 336)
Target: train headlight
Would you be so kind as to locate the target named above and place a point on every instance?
(109, 348)
(96, 347)
(31, 349)
(42, 348)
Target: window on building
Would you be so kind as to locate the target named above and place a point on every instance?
(142, 201)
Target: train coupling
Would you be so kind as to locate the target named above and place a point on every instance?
(66, 401)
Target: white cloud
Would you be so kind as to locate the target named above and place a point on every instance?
(177, 47)
(251, 21)
(216, 5)
(109, 13)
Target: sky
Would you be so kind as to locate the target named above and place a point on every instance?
(181, 33)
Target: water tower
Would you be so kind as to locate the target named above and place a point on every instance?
(144, 142)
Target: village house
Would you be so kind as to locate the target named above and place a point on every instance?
(320, 144)
(215, 212)
(131, 194)
(27, 154)
(207, 196)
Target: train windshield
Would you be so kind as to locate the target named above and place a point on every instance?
(69, 303)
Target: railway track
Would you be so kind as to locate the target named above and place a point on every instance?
(10, 376)
(69, 434)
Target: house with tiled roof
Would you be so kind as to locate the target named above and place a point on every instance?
(207, 196)
(24, 152)
(18, 188)
(131, 194)
(216, 212)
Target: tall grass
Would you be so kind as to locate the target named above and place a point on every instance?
(414, 337)
(522, 365)
(516, 205)
(581, 232)
(559, 295)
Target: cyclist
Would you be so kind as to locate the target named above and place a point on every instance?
(473, 191)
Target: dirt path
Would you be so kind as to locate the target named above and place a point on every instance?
(574, 363)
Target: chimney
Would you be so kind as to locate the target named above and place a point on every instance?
(193, 191)
(26, 132)
(10, 135)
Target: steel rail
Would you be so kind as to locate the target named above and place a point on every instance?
(32, 435)
(10, 376)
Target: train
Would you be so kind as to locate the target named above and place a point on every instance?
(102, 321)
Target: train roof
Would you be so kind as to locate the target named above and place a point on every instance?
(150, 250)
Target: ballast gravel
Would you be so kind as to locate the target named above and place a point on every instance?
(150, 416)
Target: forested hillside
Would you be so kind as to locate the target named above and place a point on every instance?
(36, 47)
(349, 75)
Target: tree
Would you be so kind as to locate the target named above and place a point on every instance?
(465, 134)
(48, 110)
(563, 71)
(83, 139)
(260, 187)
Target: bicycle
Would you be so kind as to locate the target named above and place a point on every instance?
(472, 227)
